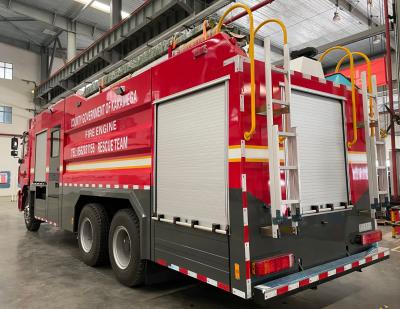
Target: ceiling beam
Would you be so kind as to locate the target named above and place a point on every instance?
(50, 18)
(30, 46)
(355, 38)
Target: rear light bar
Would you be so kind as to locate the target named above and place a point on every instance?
(272, 265)
(369, 237)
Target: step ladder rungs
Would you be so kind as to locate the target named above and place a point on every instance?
(379, 142)
(287, 134)
(279, 70)
(287, 202)
(381, 167)
(382, 192)
(288, 167)
(276, 101)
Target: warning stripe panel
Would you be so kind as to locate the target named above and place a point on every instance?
(200, 277)
(271, 292)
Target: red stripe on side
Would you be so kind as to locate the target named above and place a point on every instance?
(323, 275)
(282, 290)
(246, 233)
(381, 255)
(355, 264)
(223, 286)
(340, 269)
(248, 268)
(202, 278)
(162, 262)
(183, 270)
(304, 282)
(368, 259)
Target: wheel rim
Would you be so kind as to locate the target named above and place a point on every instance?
(27, 214)
(86, 235)
(122, 247)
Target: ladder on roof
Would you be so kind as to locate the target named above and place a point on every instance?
(290, 167)
(376, 151)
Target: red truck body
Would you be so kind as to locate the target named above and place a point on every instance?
(107, 151)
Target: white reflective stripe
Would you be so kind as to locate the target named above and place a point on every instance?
(239, 293)
(347, 267)
(93, 185)
(374, 257)
(357, 157)
(125, 186)
(32, 170)
(257, 154)
(108, 186)
(87, 185)
(314, 279)
(293, 286)
(248, 287)
(100, 186)
(192, 274)
(331, 272)
(245, 217)
(81, 184)
(174, 267)
(244, 186)
(135, 187)
(246, 251)
(386, 253)
(212, 282)
(271, 294)
(47, 169)
(361, 262)
(110, 164)
(116, 186)
(146, 187)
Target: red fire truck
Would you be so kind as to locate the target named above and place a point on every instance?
(246, 176)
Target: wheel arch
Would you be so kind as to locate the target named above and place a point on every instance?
(114, 201)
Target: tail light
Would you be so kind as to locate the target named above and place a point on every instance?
(272, 265)
(369, 237)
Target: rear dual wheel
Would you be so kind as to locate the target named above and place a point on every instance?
(124, 248)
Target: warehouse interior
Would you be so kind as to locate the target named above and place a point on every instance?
(52, 50)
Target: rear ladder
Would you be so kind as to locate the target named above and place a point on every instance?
(290, 166)
(376, 150)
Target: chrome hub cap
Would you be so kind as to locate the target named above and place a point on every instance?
(121, 247)
(86, 235)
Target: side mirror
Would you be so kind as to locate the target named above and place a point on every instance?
(14, 153)
(14, 143)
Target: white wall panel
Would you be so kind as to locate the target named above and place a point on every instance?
(191, 157)
(321, 149)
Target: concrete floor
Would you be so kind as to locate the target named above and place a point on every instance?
(43, 270)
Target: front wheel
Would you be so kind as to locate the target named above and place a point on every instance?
(124, 248)
(31, 223)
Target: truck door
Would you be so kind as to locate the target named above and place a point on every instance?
(53, 186)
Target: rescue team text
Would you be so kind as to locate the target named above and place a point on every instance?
(114, 103)
(115, 144)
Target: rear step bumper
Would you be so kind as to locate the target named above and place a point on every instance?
(311, 277)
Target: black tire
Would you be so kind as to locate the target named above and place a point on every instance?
(92, 235)
(32, 224)
(131, 270)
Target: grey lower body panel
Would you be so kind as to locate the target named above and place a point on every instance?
(203, 253)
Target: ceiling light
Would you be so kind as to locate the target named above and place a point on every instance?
(336, 16)
(376, 39)
(102, 7)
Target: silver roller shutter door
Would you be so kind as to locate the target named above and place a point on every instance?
(192, 157)
(40, 157)
(321, 149)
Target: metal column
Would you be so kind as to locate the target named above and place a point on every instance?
(115, 14)
(71, 41)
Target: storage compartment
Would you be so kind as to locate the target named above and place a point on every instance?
(191, 157)
(321, 149)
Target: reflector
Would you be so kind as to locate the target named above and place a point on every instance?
(369, 237)
(273, 264)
